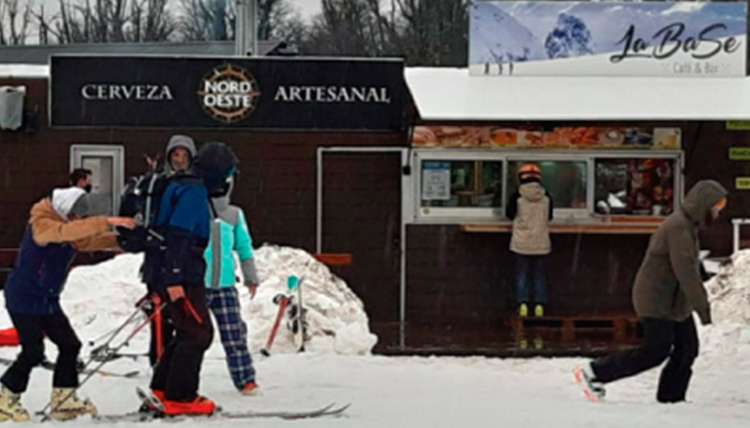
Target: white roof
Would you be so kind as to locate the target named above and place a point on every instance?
(452, 94)
(24, 70)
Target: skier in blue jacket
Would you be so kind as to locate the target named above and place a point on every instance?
(184, 220)
(230, 234)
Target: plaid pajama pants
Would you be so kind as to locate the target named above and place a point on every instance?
(225, 305)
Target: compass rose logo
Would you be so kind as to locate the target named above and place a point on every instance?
(229, 93)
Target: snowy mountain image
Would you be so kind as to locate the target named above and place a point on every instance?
(537, 31)
(569, 38)
(498, 37)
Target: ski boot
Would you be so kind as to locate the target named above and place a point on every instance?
(592, 389)
(11, 408)
(66, 405)
(199, 406)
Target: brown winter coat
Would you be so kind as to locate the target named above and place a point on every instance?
(91, 234)
(668, 284)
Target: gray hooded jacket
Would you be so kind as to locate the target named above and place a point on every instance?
(176, 141)
(668, 284)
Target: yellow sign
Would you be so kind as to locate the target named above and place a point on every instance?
(739, 153)
(742, 183)
(738, 125)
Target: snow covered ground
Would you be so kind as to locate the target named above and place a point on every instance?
(411, 391)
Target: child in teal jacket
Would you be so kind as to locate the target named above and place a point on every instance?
(230, 234)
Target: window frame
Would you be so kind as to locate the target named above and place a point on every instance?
(464, 215)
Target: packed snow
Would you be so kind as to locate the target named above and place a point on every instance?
(405, 391)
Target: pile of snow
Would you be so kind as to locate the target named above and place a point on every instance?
(335, 315)
(97, 298)
(729, 293)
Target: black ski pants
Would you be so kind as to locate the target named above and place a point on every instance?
(178, 371)
(32, 330)
(664, 339)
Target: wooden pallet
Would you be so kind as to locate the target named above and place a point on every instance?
(620, 326)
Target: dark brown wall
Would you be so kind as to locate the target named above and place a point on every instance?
(362, 216)
(468, 277)
(276, 186)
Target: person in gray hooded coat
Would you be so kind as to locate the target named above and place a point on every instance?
(180, 153)
(668, 289)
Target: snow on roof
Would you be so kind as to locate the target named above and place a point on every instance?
(452, 94)
(24, 70)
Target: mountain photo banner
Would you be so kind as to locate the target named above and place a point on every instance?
(540, 38)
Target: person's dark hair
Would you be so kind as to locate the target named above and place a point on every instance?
(78, 174)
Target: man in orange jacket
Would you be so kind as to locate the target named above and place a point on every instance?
(56, 231)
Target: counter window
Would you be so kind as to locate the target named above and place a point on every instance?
(635, 186)
(472, 186)
(461, 183)
(565, 181)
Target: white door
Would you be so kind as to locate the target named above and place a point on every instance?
(107, 167)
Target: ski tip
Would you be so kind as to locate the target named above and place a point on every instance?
(341, 409)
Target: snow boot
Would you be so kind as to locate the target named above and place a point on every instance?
(66, 405)
(11, 408)
(523, 310)
(593, 390)
(199, 406)
(539, 311)
(251, 388)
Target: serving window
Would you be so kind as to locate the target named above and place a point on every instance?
(461, 186)
(566, 181)
(636, 186)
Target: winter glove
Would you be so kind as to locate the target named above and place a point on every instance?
(705, 316)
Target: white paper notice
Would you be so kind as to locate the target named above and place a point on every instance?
(436, 181)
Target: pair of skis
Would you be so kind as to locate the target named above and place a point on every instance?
(158, 412)
(295, 312)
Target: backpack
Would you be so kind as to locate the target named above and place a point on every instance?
(141, 199)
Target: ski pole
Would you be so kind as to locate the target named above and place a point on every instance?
(137, 329)
(283, 303)
(114, 332)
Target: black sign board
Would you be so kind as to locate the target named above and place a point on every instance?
(211, 92)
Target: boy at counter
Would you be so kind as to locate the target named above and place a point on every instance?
(530, 208)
